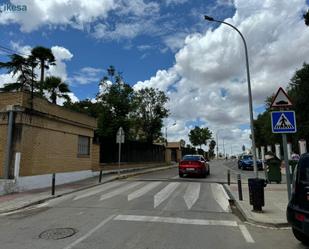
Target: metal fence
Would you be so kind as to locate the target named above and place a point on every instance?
(131, 152)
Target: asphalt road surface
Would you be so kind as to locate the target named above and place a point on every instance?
(153, 211)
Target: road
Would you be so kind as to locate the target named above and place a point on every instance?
(152, 211)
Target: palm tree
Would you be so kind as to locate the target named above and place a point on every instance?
(46, 58)
(18, 65)
(56, 88)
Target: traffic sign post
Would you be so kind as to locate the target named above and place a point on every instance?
(283, 122)
(281, 100)
(119, 140)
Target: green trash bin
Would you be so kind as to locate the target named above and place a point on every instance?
(273, 170)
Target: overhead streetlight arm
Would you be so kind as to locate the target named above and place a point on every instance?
(211, 19)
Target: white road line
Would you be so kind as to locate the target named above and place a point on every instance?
(175, 177)
(246, 234)
(138, 193)
(165, 193)
(173, 220)
(220, 196)
(119, 190)
(98, 190)
(192, 194)
(93, 230)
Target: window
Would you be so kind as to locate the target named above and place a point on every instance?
(83, 145)
(191, 158)
(247, 157)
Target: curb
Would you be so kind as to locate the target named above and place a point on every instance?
(124, 176)
(244, 216)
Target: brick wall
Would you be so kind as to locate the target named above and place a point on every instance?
(10, 99)
(46, 136)
(47, 151)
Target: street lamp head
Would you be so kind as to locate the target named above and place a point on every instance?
(209, 18)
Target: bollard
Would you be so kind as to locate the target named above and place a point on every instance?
(100, 177)
(239, 187)
(53, 183)
(228, 177)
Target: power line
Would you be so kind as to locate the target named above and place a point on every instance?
(9, 51)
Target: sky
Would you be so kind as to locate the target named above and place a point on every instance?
(168, 45)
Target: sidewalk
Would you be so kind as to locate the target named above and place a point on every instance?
(274, 211)
(21, 200)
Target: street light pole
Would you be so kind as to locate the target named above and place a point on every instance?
(166, 135)
(211, 19)
(217, 145)
(166, 132)
(224, 149)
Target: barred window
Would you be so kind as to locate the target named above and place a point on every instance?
(83, 145)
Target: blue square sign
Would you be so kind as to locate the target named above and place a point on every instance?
(283, 122)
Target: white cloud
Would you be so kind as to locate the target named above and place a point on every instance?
(175, 41)
(76, 13)
(61, 55)
(6, 78)
(82, 14)
(170, 2)
(124, 30)
(162, 80)
(60, 101)
(225, 2)
(207, 63)
(87, 75)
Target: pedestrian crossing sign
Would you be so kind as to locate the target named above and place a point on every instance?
(283, 122)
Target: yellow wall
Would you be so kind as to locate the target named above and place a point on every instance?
(46, 136)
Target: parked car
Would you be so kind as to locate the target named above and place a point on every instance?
(194, 165)
(298, 207)
(246, 162)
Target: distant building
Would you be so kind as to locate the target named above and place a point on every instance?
(173, 151)
(38, 138)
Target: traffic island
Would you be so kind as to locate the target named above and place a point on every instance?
(274, 211)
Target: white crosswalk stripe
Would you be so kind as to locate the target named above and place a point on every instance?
(220, 196)
(119, 190)
(98, 190)
(173, 220)
(140, 192)
(192, 194)
(165, 193)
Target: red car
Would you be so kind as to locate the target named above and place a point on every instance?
(193, 165)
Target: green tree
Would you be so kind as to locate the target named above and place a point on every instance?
(56, 88)
(298, 91)
(199, 136)
(93, 109)
(116, 98)
(306, 17)
(182, 143)
(211, 151)
(46, 58)
(19, 66)
(149, 105)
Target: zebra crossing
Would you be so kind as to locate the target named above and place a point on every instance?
(160, 192)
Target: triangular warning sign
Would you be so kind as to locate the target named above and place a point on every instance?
(283, 123)
(281, 99)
